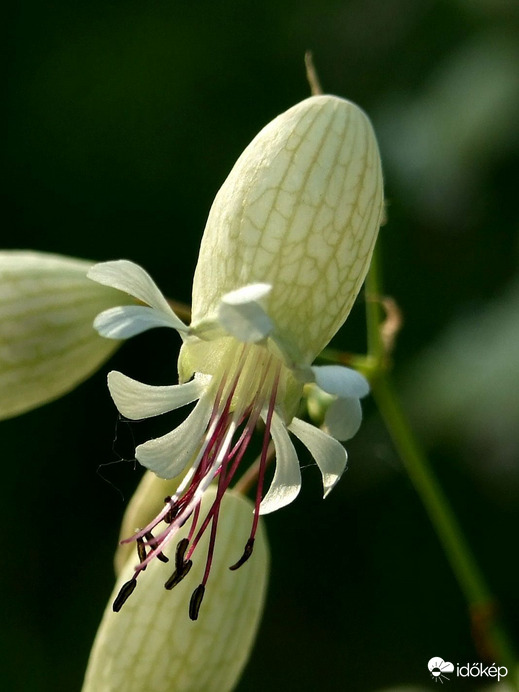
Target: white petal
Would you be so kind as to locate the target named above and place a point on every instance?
(136, 400)
(242, 316)
(126, 321)
(133, 279)
(247, 294)
(343, 418)
(168, 455)
(286, 483)
(330, 456)
(341, 381)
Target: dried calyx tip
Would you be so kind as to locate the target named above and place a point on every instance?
(311, 75)
(246, 554)
(196, 601)
(125, 592)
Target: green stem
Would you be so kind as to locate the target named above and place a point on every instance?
(489, 633)
(472, 583)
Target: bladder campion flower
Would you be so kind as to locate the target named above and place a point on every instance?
(285, 250)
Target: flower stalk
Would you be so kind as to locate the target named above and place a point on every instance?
(489, 635)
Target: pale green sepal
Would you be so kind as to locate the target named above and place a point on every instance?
(153, 646)
(132, 279)
(343, 418)
(136, 400)
(300, 210)
(47, 343)
(330, 456)
(286, 484)
(168, 455)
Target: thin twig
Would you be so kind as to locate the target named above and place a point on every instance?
(311, 75)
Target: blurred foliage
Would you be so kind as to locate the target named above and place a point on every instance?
(123, 119)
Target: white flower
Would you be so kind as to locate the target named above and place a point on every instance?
(286, 248)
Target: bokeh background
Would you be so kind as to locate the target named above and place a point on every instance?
(123, 118)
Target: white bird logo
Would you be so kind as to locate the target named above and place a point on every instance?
(437, 667)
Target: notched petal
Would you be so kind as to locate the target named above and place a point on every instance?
(134, 280)
(130, 320)
(241, 315)
(343, 418)
(137, 400)
(286, 483)
(167, 456)
(341, 381)
(330, 456)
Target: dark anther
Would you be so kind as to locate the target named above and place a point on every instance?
(181, 551)
(141, 551)
(151, 538)
(178, 575)
(246, 554)
(196, 601)
(123, 595)
(172, 512)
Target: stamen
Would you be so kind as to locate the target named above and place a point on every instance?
(204, 469)
(249, 546)
(172, 512)
(125, 592)
(152, 541)
(215, 450)
(196, 601)
(176, 504)
(181, 551)
(237, 452)
(181, 567)
(141, 551)
(177, 576)
(243, 394)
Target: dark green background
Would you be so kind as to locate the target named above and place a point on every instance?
(123, 118)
